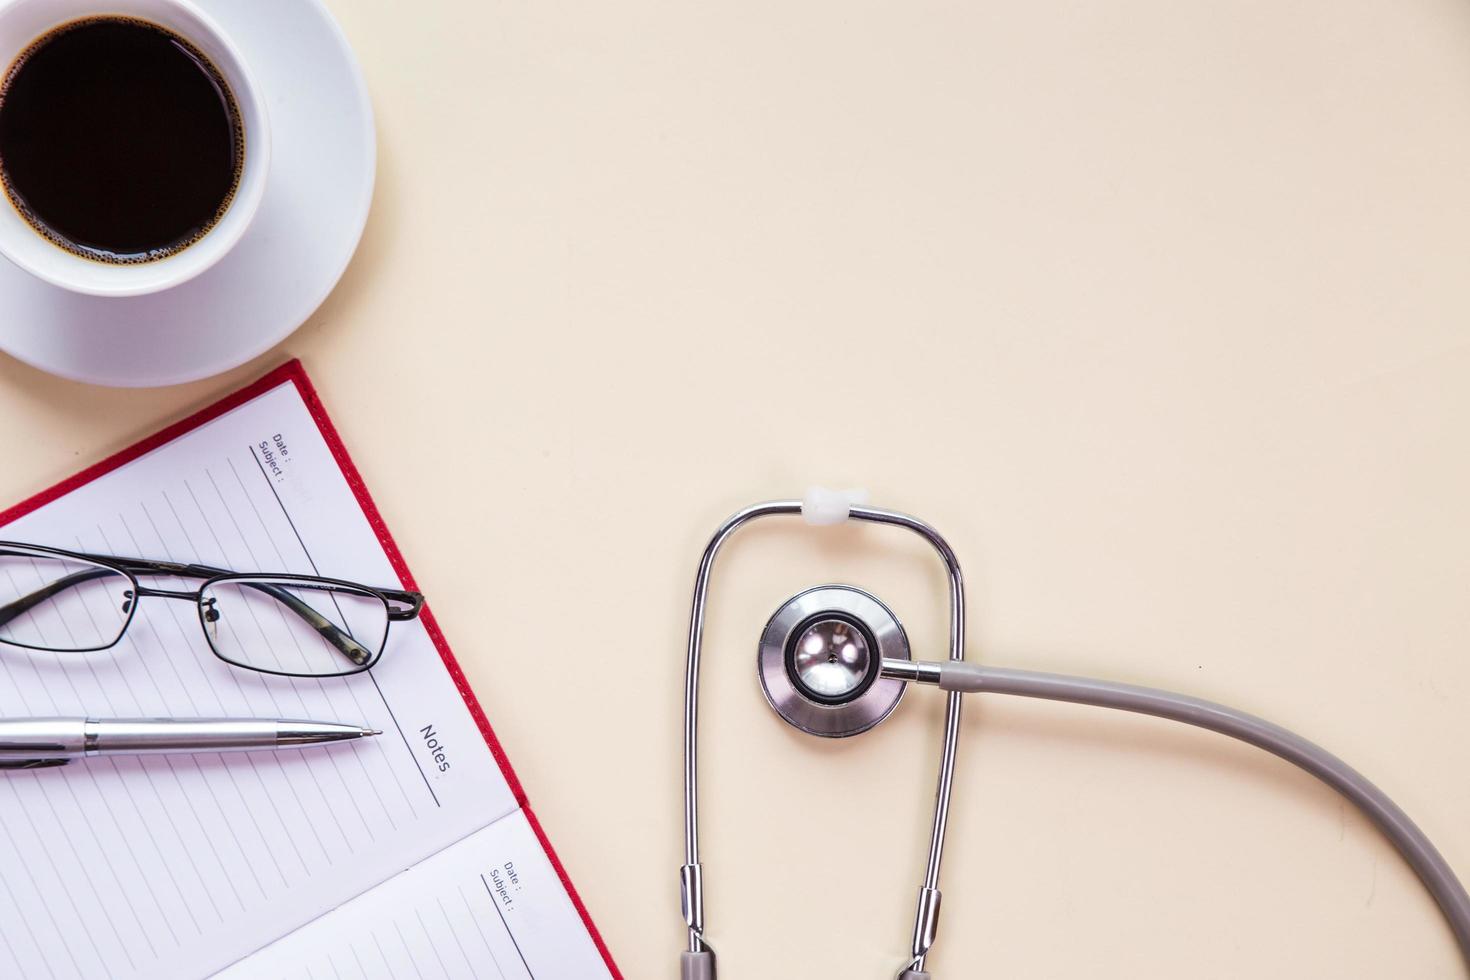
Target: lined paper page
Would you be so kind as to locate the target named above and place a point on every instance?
(176, 866)
(489, 907)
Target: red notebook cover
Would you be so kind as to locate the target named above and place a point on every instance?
(293, 373)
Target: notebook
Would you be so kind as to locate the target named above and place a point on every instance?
(413, 854)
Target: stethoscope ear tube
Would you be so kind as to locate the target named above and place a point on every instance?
(818, 512)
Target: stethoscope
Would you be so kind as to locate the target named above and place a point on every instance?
(834, 661)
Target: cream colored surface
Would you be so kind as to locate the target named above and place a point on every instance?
(1159, 310)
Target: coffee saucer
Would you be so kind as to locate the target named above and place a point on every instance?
(311, 217)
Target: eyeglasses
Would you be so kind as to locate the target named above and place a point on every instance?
(290, 625)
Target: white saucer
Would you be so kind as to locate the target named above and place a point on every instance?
(316, 203)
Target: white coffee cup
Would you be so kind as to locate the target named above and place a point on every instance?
(24, 21)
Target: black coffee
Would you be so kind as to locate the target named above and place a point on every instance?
(119, 141)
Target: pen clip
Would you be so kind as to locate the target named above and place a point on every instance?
(33, 763)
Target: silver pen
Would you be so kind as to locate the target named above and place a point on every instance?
(34, 743)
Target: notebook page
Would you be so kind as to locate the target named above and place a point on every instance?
(488, 907)
(176, 866)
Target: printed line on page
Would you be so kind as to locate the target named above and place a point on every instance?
(307, 552)
(495, 902)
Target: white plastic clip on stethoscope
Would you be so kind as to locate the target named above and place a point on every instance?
(833, 661)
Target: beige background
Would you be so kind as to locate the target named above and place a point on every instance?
(1158, 309)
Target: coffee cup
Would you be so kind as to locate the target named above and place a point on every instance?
(100, 240)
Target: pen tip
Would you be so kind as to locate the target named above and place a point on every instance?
(371, 731)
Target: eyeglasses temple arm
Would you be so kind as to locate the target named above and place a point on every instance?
(328, 630)
(147, 566)
(24, 604)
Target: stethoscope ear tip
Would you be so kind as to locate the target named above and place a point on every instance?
(697, 966)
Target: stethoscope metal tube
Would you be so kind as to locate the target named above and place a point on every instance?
(926, 919)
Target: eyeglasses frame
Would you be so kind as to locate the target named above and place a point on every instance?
(401, 605)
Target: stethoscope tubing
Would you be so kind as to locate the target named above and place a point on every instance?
(1411, 842)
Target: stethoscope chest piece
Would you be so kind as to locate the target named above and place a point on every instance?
(820, 661)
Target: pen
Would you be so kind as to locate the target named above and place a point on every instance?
(34, 743)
